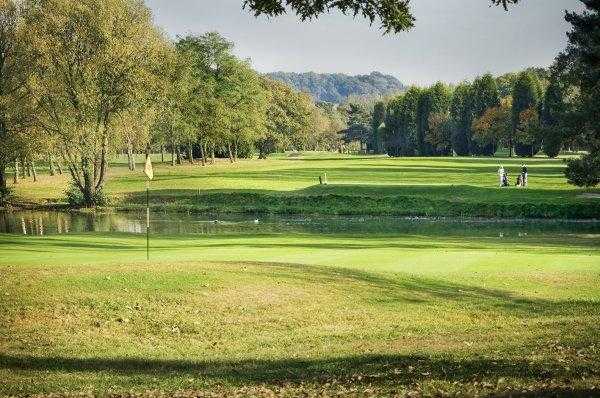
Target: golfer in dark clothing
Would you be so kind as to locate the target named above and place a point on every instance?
(524, 175)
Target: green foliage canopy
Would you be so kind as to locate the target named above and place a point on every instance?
(393, 15)
(93, 61)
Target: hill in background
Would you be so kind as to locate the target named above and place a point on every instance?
(337, 87)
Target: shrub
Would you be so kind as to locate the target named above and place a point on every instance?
(584, 172)
(75, 197)
(4, 194)
(552, 141)
(526, 150)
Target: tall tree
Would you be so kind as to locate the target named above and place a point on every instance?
(14, 99)
(377, 119)
(493, 128)
(172, 126)
(485, 95)
(229, 104)
(359, 124)
(552, 114)
(580, 62)
(435, 99)
(401, 123)
(247, 106)
(287, 115)
(94, 60)
(205, 110)
(329, 131)
(526, 95)
(461, 116)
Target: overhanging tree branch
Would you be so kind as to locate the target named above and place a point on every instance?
(394, 15)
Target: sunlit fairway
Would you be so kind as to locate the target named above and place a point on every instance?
(357, 184)
(455, 311)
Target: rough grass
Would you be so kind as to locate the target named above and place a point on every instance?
(358, 185)
(301, 314)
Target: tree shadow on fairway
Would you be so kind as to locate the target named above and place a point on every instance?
(401, 287)
(380, 371)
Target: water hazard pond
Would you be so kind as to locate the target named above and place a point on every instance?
(36, 223)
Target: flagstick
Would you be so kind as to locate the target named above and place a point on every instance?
(150, 174)
(148, 220)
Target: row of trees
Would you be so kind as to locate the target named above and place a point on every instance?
(474, 118)
(81, 80)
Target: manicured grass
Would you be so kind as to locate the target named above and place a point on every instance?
(358, 185)
(453, 312)
(432, 311)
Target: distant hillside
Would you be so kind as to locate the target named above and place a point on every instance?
(336, 87)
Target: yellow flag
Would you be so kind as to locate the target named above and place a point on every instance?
(148, 168)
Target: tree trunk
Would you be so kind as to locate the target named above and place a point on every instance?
(88, 184)
(178, 154)
(51, 165)
(230, 152)
(33, 172)
(130, 159)
(212, 154)
(202, 153)
(3, 186)
(26, 167)
(23, 167)
(16, 175)
(101, 177)
(59, 167)
(172, 154)
(162, 153)
(190, 153)
(235, 151)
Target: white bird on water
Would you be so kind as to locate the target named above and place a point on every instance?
(256, 221)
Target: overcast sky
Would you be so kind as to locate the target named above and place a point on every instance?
(453, 40)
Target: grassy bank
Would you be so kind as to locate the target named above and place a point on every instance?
(358, 185)
(292, 314)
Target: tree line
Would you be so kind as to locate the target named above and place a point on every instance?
(82, 80)
(474, 118)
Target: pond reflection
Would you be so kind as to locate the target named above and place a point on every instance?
(37, 223)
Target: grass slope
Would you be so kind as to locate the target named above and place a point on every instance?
(358, 185)
(301, 314)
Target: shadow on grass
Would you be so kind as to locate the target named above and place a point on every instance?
(464, 240)
(375, 288)
(380, 288)
(379, 371)
(452, 193)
